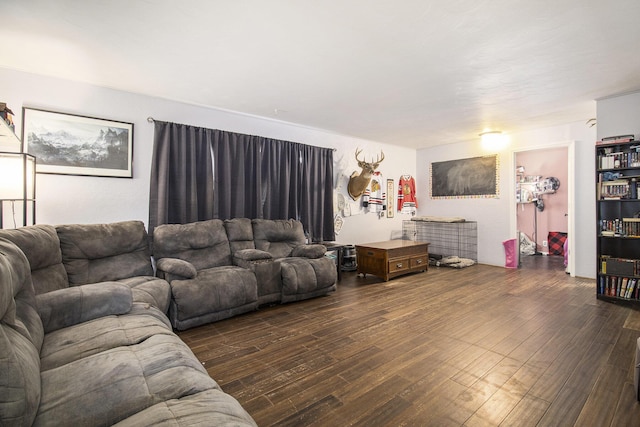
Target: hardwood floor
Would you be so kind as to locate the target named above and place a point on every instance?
(481, 346)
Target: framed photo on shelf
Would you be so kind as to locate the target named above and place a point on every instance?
(70, 144)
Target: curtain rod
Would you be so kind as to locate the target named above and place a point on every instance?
(151, 120)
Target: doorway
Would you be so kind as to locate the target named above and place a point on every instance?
(542, 206)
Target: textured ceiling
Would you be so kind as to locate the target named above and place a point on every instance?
(414, 72)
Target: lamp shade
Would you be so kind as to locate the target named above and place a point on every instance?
(17, 176)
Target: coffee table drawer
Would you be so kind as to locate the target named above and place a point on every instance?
(418, 261)
(398, 264)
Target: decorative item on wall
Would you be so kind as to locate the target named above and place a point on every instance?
(340, 202)
(358, 182)
(407, 202)
(475, 177)
(341, 206)
(6, 114)
(390, 204)
(70, 144)
(374, 198)
(337, 223)
(9, 141)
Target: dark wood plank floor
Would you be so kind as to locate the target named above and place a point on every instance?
(481, 346)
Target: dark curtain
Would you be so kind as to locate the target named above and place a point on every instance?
(181, 175)
(252, 177)
(279, 186)
(316, 191)
(236, 173)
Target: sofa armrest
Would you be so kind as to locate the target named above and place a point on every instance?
(176, 267)
(77, 304)
(246, 258)
(309, 251)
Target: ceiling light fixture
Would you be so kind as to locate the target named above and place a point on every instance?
(493, 140)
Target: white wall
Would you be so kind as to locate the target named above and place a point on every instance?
(619, 115)
(75, 199)
(493, 215)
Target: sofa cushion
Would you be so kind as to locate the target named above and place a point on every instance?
(204, 243)
(21, 336)
(67, 307)
(94, 253)
(309, 251)
(98, 335)
(215, 294)
(149, 289)
(240, 234)
(278, 237)
(107, 387)
(177, 267)
(304, 278)
(207, 408)
(41, 245)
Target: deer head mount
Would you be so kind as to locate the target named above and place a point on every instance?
(358, 182)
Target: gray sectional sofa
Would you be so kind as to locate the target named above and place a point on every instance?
(89, 355)
(84, 335)
(72, 255)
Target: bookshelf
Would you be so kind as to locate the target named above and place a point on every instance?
(618, 220)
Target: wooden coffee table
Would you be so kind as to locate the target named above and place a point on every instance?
(392, 258)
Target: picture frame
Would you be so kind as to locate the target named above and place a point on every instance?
(71, 144)
(390, 198)
(476, 177)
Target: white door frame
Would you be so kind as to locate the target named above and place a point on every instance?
(571, 166)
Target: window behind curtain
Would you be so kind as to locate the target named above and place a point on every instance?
(251, 177)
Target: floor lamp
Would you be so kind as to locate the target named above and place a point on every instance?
(18, 185)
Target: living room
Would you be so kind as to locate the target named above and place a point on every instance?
(67, 199)
(98, 196)
(109, 199)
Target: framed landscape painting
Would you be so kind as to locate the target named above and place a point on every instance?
(70, 144)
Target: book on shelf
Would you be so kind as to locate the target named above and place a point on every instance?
(618, 287)
(630, 288)
(620, 266)
(613, 190)
(616, 137)
(619, 160)
(631, 227)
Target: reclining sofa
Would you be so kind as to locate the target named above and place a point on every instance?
(218, 269)
(88, 355)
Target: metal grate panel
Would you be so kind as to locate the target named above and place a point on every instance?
(445, 238)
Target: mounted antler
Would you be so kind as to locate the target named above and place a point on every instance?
(358, 182)
(375, 165)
